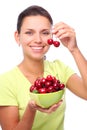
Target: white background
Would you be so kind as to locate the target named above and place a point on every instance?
(74, 13)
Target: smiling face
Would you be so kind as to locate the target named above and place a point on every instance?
(33, 36)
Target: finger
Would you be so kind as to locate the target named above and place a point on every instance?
(55, 106)
(65, 33)
(32, 104)
(60, 27)
(50, 109)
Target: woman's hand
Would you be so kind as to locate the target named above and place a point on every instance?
(66, 35)
(45, 110)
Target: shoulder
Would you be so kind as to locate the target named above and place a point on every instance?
(55, 63)
(8, 88)
(8, 75)
(59, 69)
(8, 81)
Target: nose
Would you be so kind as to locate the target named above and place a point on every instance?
(38, 38)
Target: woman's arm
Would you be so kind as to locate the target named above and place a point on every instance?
(67, 36)
(81, 64)
(9, 117)
(76, 84)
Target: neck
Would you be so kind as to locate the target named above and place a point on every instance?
(32, 67)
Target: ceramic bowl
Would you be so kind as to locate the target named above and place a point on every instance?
(48, 99)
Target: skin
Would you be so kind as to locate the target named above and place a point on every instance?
(33, 37)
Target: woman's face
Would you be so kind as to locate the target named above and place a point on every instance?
(35, 31)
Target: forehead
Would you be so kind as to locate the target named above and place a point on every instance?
(36, 21)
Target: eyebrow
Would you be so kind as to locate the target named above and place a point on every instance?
(29, 29)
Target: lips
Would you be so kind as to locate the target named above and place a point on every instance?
(37, 47)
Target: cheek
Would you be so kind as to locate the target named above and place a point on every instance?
(45, 39)
(25, 41)
(47, 48)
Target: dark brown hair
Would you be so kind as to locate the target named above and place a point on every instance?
(32, 11)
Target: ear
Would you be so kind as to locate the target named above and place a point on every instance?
(16, 36)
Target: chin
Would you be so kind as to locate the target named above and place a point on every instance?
(38, 58)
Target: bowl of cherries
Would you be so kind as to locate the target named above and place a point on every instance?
(46, 91)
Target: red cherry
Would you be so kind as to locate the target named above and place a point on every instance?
(50, 89)
(42, 90)
(56, 86)
(49, 78)
(50, 41)
(32, 88)
(48, 83)
(62, 86)
(43, 80)
(56, 43)
(37, 84)
(54, 79)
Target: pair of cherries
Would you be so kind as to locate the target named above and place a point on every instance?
(55, 43)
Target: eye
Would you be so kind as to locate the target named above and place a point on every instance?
(29, 33)
(46, 33)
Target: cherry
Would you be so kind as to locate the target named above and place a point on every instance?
(62, 86)
(49, 78)
(48, 83)
(50, 41)
(37, 83)
(43, 80)
(56, 43)
(50, 89)
(32, 88)
(42, 90)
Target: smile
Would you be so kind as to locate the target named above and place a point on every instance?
(37, 48)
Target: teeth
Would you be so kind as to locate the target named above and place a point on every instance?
(37, 48)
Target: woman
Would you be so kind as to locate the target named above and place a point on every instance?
(17, 111)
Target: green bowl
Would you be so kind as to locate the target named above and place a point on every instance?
(48, 99)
